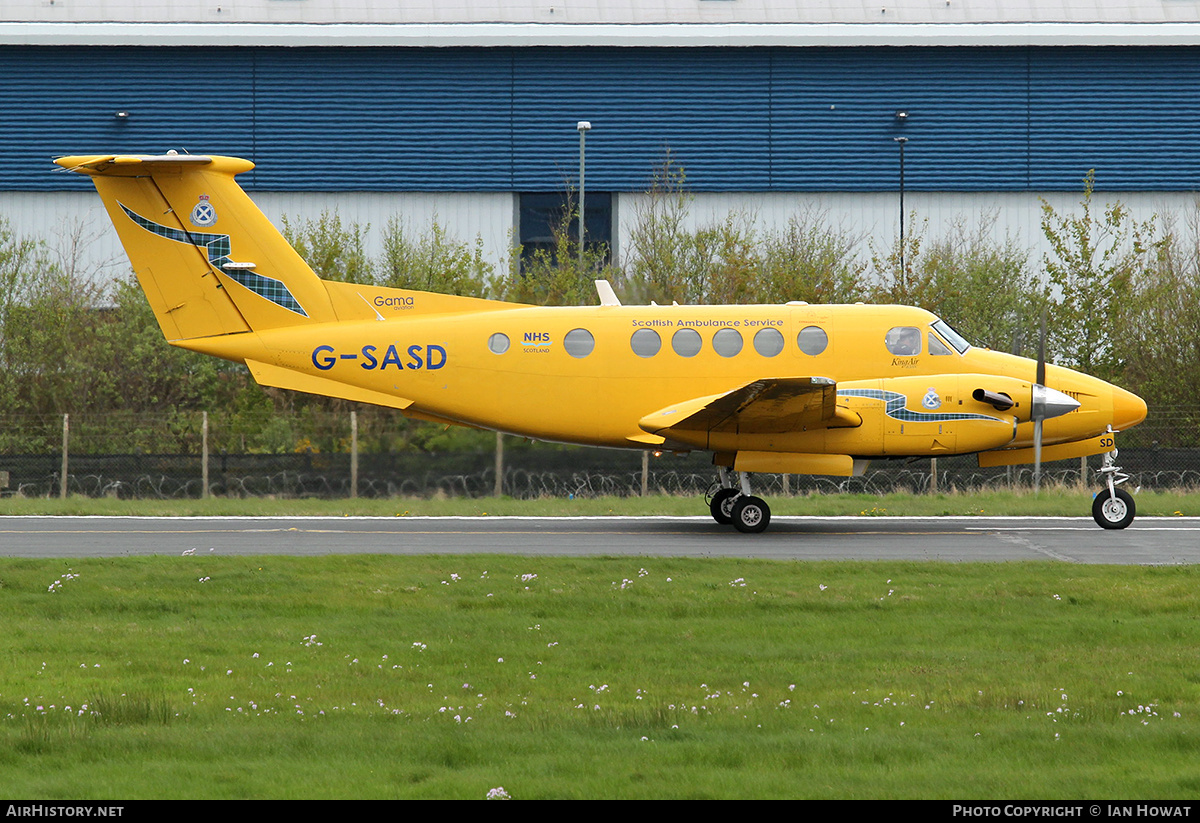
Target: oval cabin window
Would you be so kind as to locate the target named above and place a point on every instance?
(812, 340)
(579, 342)
(686, 342)
(768, 342)
(645, 342)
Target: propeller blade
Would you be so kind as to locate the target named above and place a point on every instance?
(1038, 410)
(1037, 455)
(1041, 361)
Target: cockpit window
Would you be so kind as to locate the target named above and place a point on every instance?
(951, 336)
(937, 347)
(903, 341)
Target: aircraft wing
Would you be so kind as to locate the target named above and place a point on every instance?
(768, 406)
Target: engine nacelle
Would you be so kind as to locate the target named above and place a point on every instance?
(932, 415)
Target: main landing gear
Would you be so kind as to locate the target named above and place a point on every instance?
(1113, 508)
(734, 504)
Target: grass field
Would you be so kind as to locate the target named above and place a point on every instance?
(451, 677)
(1060, 501)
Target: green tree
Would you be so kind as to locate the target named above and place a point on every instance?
(669, 261)
(1091, 269)
(811, 260)
(335, 250)
(982, 286)
(21, 259)
(1160, 336)
(897, 273)
(433, 261)
(656, 258)
(554, 277)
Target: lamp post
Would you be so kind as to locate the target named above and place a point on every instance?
(901, 119)
(901, 141)
(583, 127)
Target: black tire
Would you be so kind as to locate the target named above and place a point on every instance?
(1113, 512)
(751, 514)
(721, 506)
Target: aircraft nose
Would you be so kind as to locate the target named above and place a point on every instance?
(1128, 409)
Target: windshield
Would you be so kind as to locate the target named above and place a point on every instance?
(951, 336)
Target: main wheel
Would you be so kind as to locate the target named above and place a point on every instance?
(721, 505)
(751, 514)
(1113, 512)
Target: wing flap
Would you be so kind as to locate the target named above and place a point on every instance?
(768, 406)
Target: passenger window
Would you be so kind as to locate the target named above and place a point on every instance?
(579, 342)
(498, 343)
(812, 340)
(768, 342)
(645, 342)
(936, 346)
(903, 341)
(686, 342)
(727, 342)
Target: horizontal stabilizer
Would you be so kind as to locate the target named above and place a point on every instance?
(135, 165)
(267, 375)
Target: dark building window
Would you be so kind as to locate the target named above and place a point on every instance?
(543, 214)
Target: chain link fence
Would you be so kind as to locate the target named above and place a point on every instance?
(163, 457)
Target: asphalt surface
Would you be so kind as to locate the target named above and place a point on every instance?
(1154, 541)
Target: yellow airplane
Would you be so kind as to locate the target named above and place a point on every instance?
(795, 388)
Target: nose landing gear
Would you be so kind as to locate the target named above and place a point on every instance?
(1113, 508)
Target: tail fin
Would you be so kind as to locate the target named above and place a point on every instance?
(209, 261)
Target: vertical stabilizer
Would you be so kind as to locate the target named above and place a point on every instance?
(209, 261)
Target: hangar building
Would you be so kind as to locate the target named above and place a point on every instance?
(467, 110)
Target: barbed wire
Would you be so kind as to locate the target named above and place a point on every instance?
(531, 483)
(300, 468)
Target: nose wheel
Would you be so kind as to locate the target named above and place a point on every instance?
(1113, 511)
(1113, 508)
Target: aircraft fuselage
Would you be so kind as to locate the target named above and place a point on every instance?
(589, 375)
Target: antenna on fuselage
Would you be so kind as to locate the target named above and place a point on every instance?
(608, 297)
